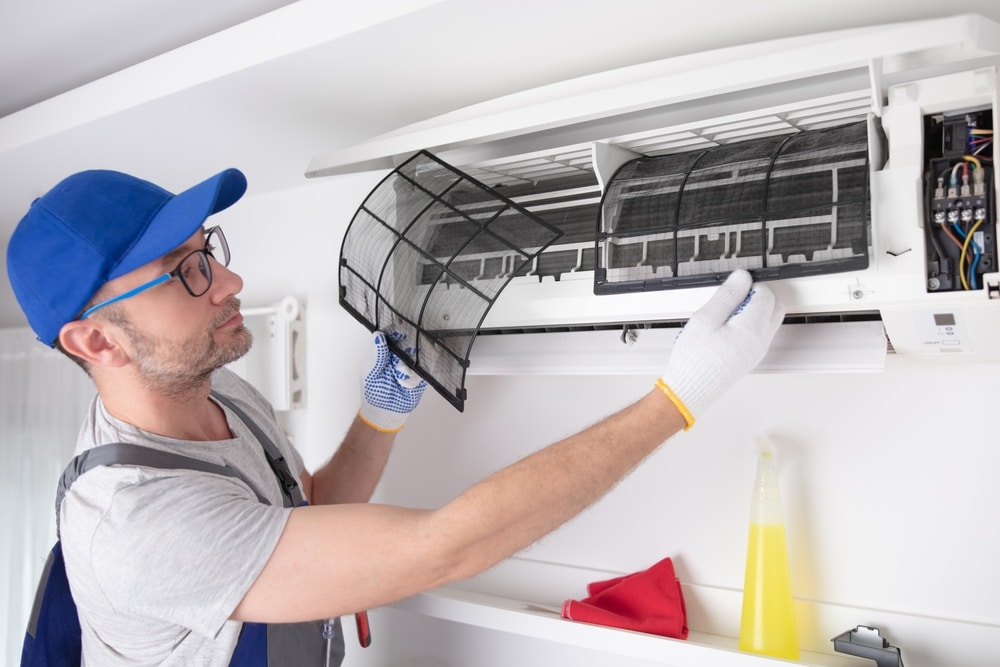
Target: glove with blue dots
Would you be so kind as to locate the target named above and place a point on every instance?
(389, 389)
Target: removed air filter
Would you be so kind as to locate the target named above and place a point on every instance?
(425, 257)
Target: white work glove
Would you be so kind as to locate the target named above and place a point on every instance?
(389, 389)
(723, 341)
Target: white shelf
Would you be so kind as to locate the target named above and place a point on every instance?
(544, 622)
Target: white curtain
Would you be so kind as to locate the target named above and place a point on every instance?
(43, 399)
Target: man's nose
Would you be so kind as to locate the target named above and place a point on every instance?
(225, 282)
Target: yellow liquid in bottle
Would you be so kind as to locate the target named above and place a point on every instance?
(767, 625)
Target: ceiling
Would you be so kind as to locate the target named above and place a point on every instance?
(174, 90)
(50, 46)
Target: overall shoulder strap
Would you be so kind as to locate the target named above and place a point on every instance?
(122, 453)
(137, 455)
(289, 487)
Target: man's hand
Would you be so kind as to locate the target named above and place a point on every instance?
(724, 340)
(389, 389)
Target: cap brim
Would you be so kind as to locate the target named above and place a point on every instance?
(180, 217)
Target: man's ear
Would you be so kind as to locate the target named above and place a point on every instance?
(92, 341)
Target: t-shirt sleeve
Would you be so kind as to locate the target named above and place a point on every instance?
(178, 546)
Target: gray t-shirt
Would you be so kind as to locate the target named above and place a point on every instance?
(158, 559)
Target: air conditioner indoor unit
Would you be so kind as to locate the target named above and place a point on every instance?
(850, 169)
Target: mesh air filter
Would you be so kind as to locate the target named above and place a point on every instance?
(425, 257)
(779, 207)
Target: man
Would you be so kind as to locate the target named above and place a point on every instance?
(169, 566)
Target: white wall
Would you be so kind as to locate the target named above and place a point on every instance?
(889, 491)
(889, 480)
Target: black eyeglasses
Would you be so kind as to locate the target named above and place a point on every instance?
(194, 270)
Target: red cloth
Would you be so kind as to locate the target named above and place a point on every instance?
(648, 601)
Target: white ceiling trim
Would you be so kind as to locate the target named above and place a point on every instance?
(284, 31)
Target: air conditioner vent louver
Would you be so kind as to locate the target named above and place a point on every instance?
(803, 318)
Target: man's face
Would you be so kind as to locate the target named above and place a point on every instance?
(178, 340)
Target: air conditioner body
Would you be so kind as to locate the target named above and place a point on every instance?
(908, 83)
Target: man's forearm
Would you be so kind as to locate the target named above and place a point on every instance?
(355, 469)
(519, 504)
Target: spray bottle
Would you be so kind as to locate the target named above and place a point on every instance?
(767, 625)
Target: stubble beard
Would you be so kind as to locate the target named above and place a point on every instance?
(173, 369)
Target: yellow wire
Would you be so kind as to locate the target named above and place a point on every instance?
(974, 160)
(965, 249)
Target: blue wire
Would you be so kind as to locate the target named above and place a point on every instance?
(972, 276)
(972, 269)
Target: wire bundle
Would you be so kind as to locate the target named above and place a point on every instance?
(979, 141)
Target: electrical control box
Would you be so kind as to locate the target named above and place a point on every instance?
(960, 200)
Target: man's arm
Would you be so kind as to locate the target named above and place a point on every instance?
(389, 393)
(337, 559)
(351, 475)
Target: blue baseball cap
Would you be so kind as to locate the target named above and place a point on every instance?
(95, 226)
